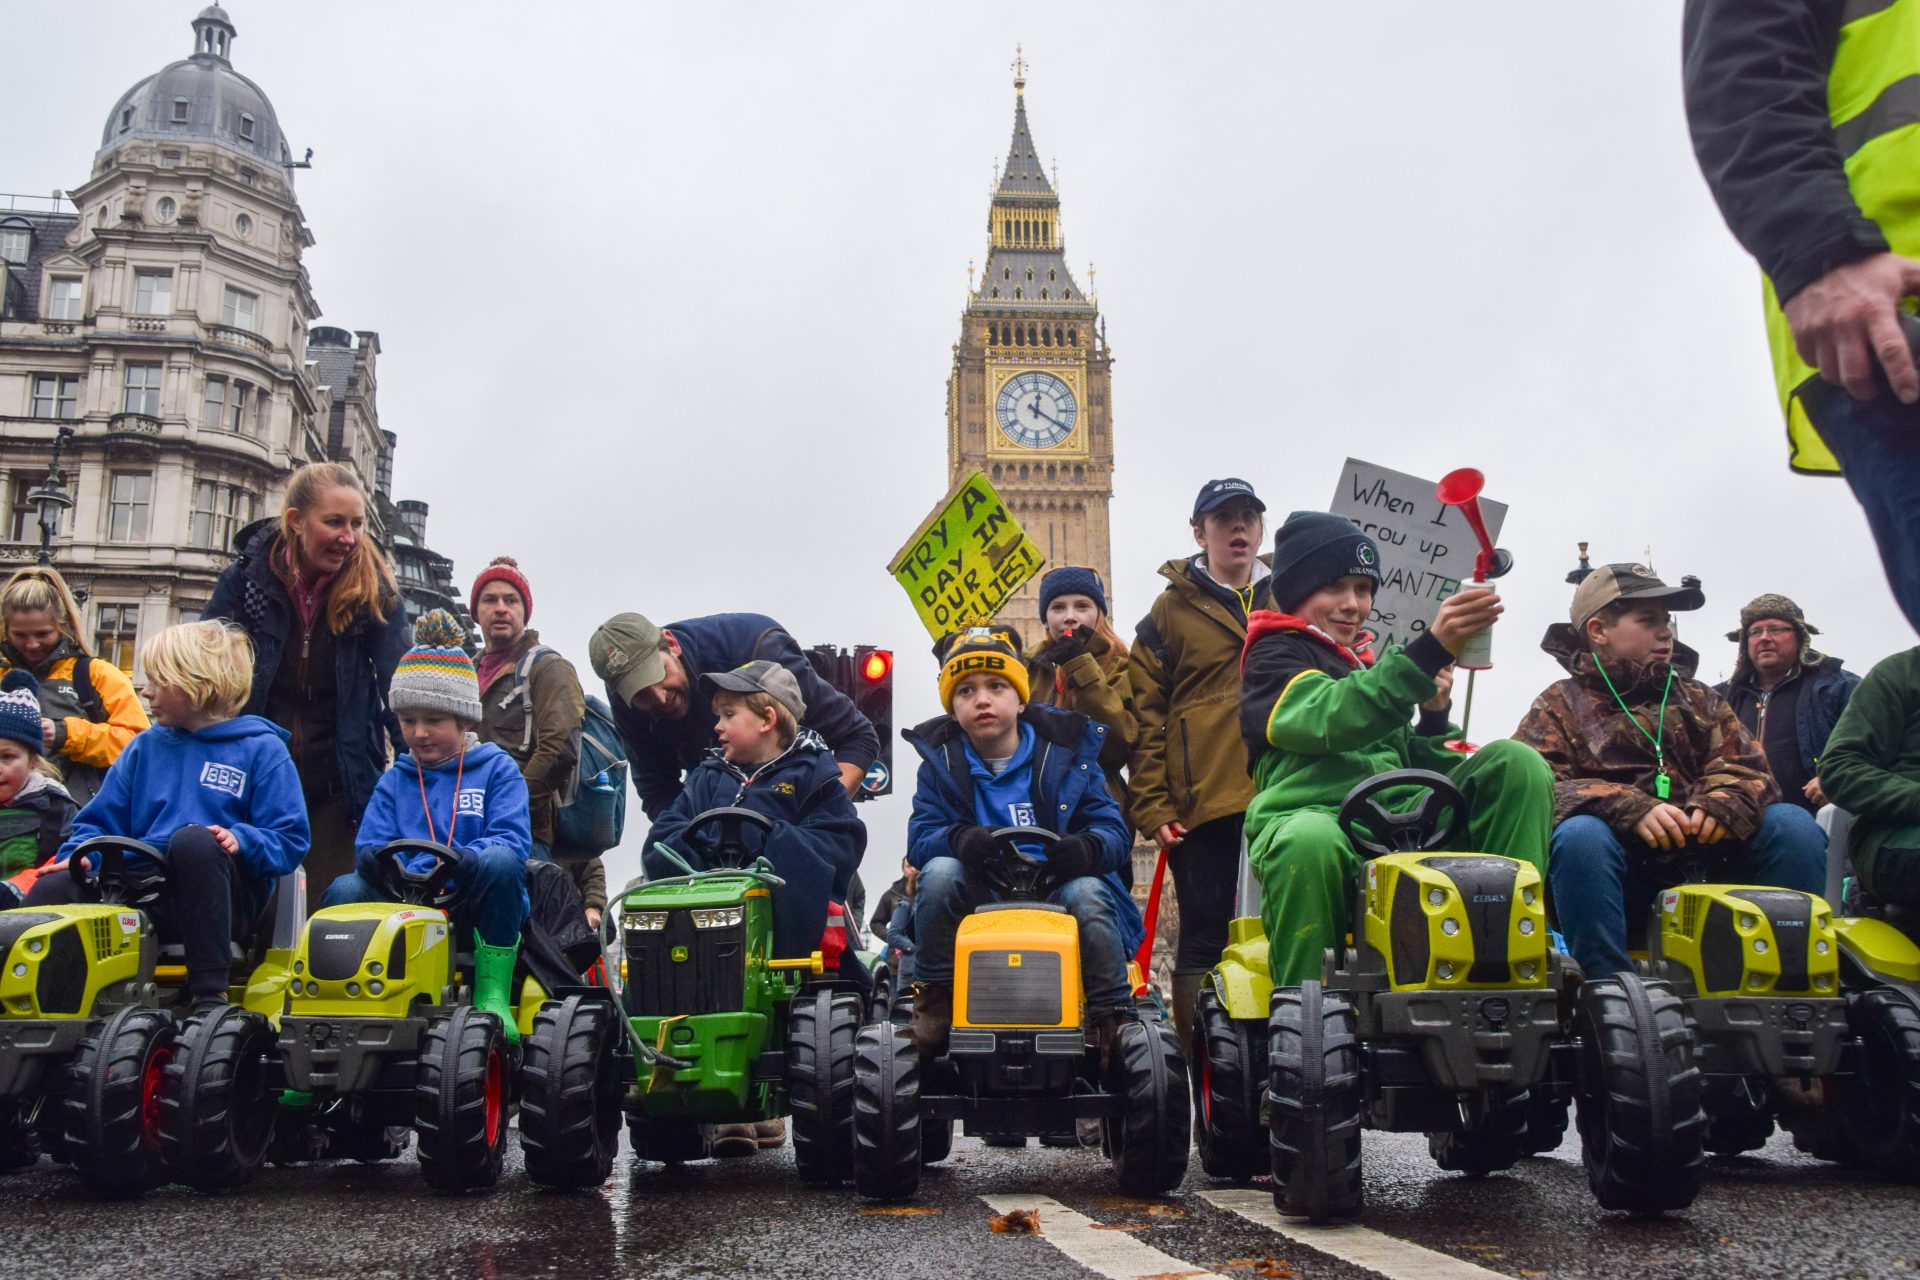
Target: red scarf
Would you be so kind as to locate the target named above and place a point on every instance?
(1269, 622)
(307, 598)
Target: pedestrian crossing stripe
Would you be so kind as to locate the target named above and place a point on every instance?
(1113, 1254)
(1376, 1251)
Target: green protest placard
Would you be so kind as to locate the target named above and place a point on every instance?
(966, 560)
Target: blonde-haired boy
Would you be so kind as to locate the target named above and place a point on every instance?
(218, 792)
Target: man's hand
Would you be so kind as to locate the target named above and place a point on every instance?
(593, 918)
(1705, 827)
(1666, 827)
(912, 876)
(1170, 835)
(228, 842)
(1073, 856)
(46, 735)
(1442, 691)
(1813, 792)
(850, 777)
(974, 846)
(1464, 615)
(1849, 317)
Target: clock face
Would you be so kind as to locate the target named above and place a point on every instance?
(1036, 410)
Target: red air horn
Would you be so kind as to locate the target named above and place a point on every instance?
(1461, 489)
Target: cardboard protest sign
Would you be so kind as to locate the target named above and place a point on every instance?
(966, 560)
(1425, 548)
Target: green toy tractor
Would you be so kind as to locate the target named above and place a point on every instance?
(105, 1063)
(1019, 1062)
(381, 1038)
(1448, 1013)
(722, 1032)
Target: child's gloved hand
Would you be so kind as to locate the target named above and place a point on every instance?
(1067, 647)
(1073, 856)
(974, 846)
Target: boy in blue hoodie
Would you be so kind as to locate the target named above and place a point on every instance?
(453, 789)
(998, 762)
(217, 790)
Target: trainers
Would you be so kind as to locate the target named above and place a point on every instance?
(734, 1140)
(932, 1017)
(770, 1133)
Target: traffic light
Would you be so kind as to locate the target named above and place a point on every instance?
(873, 694)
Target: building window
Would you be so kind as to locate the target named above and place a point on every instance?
(129, 500)
(63, 298)
(180, 108)
(218, 511)
(236, 308)
(246, 127)
(237, 408)
(142, 390)
(152, 292)
(56, 395)
(126, 119)
(225, 408)
(115, 634)
(246, 176)
(16, 244)
(165, 208)
(23, 521)
(170, 159)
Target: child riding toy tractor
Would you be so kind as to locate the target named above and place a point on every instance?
(1020, 1061)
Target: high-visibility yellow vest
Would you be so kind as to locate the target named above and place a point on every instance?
(1873, 102)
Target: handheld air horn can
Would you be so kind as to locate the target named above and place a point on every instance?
(1461, 489)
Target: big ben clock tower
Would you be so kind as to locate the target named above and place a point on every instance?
(1029, 399)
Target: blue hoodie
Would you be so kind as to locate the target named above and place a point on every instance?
(235, 774)
(492, 809)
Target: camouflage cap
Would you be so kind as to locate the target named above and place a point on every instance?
(1772, 606)
(1611, 582)
(626, 654)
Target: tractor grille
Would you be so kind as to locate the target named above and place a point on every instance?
(1487, 887)
(1000, 993)
(711, 978)
(63, 974)
(1792, 917)
(103, 937)
(336, 947)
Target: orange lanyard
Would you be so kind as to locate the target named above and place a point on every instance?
(420, 775)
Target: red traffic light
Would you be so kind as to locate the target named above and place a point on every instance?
(876, 666)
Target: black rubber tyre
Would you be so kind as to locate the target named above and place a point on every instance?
(1149, 1139)
(216, 1109)
(1494, 1143)
(669, 1141)
(1315, 1095)
(900, 1011)
(19, 1142)
(461, 1097)
(112, 1107)
(1880, 1107)
(936, 1140)
(1641, 1123)
(1546, 1122)
(1231, 1058)
(887, 1128)
(821, 1026)
(1734, 1124)
(570, 1094)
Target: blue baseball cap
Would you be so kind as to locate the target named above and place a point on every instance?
(1217, 493)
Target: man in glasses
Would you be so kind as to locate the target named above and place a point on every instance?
(1787, 694)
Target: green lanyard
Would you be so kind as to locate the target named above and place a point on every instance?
(1662, 784)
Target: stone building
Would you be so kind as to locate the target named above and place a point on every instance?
(1029, 400)
(159, 326)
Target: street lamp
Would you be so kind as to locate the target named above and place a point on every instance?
(52, 498)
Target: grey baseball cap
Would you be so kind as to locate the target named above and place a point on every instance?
(762, 676)
(626, 654)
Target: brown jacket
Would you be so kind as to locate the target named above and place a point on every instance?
(1188, 764)
(546, 757)
(1096, 684)
(1604, 765)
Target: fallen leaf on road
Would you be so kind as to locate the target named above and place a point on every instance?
(1531, 1275)
(894, 1209)
(1270, 1266)
(1021, 1222)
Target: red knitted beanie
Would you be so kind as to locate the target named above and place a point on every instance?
(503, 569)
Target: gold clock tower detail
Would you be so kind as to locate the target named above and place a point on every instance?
(1030, 397)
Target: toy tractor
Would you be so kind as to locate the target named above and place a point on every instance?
(1449, 1014)
(381, 1037)
(103, 1060)
(1019, 1062)
(723, 1032)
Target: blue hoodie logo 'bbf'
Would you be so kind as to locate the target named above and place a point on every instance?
(472, 800)
(1020, 815)
(223, 777)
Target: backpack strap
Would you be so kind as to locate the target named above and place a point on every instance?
(522, 671)
(90, 700)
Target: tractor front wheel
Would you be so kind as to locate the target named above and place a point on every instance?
(1314, 1104)
(112, 1107)
(216, 1111)
(1880, 1105)
(570, 1095)
(1150, 1136)
(1231, 1056)
(461, 1094)
(1641, 1123)
(821, 1026)
(888, 1132)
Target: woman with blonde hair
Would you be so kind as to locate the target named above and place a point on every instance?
(315, 595)
(89, 711)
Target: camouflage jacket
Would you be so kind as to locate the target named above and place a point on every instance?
(1604, 765)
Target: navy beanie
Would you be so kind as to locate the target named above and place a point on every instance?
(20, 710)
(1314, 549)
(1072, 580)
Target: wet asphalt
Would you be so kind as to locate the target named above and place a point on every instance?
(1773, 1213)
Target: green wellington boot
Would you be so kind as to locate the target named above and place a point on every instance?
(493, 983)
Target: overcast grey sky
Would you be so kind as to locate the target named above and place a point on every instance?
(667, 292)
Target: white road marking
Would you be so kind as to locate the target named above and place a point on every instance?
(1363, 1247)
(1114, 1254)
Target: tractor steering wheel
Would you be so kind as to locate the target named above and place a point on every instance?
(430, 888)
(100, 871)
(731, 849)
(1420, 829)
(1017, 873)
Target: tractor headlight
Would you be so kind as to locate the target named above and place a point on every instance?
(35, 946)
(1445, 970)
(645, 921)
(1528, 896)
(295, 986)
(1526, 925)
(1760, 945)
(353, 988)
(1438, 897)
(1449, 926)
(1821, 946)
(20, 970)
(717, 917)
(375, 988)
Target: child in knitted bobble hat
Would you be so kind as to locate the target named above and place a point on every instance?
(453, 789)
(35, 810)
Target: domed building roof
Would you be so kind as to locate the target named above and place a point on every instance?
(201, 98)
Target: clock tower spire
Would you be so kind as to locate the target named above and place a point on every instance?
(1028, 399)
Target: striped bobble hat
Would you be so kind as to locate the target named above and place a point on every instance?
(436, 674)
(20, 710)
